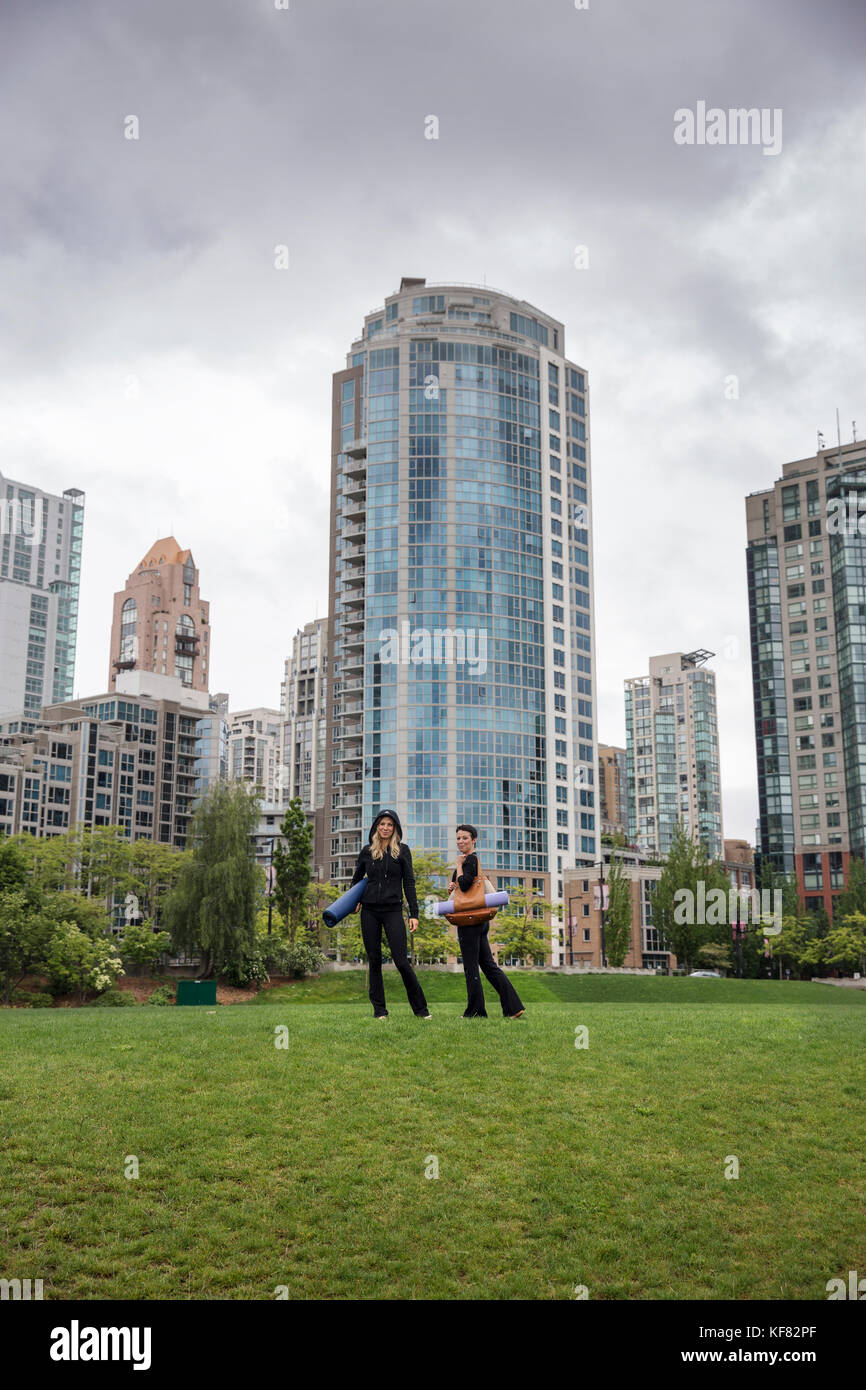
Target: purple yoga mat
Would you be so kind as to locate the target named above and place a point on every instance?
(490, 900)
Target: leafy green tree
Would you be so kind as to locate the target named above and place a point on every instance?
(141, 946)
(714, 956)
(212, 906)
(801, 946)
(518, 931)
(103, 858)
(687, 865)
(320, 896)
(150, 871)
(292, 867)
(25, 931)
(435, 938)
(617, 917)
(14, 864)
(852, 899)
(845, 944)
(88, 914)
(51, 860)
(347, 941)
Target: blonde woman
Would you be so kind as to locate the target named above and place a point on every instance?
(387, 864)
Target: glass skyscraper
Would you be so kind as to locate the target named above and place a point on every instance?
(806, 568)
(461, 587)
(40, 570)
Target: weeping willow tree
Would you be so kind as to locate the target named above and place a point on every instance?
(212, 906)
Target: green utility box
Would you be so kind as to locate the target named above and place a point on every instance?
(196, 991)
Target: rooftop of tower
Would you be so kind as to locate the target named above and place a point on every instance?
(487, 312)
(165, 552)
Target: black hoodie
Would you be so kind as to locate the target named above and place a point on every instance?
(387, 877)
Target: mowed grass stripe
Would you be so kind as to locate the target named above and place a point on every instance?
(558, 1166)
(349, 986)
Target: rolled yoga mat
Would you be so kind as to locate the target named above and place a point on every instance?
(490, 900)
(343, 906)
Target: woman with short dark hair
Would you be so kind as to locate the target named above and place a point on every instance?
(475, 941)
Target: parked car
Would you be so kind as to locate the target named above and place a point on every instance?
(705, 975)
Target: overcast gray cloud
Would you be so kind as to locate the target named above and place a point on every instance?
(151, 354)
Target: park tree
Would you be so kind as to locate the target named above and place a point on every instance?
(212, 906)
(519, 928)
(14, 864)
(435, 937)
(320, 896)
(292, 867)
(714, 955)
(150, 872)
(801, 945)
(25, 932)
(687, 865)
(845, 943)
(141, 946)
(346, 940)
(51, 860)
(852, 899)
(617, 917)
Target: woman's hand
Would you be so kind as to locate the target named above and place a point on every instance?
(460, 859)
(413, 923)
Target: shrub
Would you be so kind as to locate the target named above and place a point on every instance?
(32, 998)
(302, 958)
(163, 994)
(247, 968)
(114, 999)
(76, 962)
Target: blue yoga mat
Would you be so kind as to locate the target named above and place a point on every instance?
(344, 905)
(490, 900)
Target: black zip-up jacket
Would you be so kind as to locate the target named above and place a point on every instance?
(387, 878)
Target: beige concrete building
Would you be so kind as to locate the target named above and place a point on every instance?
(137, 757)
(672, 753)
(612, 790)
(806, 567)
(160, 622)
(583, 921)
(254, 751)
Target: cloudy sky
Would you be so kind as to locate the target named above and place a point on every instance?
(152, 354)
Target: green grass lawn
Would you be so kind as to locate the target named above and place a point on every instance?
(535, 986)
(305, 1167)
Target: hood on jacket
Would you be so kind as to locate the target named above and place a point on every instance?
(393, 816)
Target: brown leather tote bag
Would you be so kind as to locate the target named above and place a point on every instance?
(470, 909)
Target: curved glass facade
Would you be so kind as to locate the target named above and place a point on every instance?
(460, 455)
